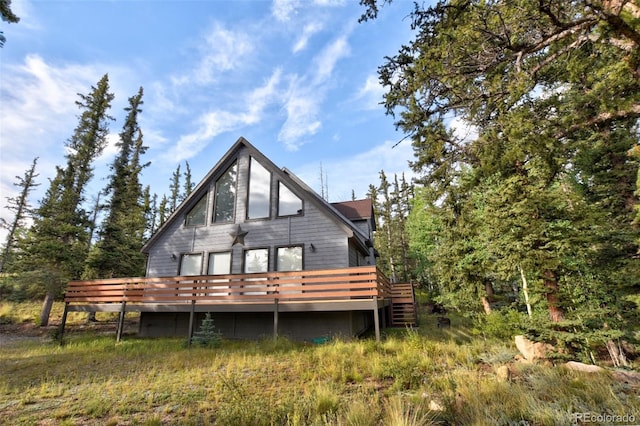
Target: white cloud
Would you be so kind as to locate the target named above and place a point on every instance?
(37, 97)
(222, 50)
(283, 10)
(214, 123)
(302, 113)
(325, 62)
(306, 95)
(371, 93)
(265, 95)
(307, 32)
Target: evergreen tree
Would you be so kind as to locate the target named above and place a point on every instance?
(546, 187)
(174, 190)
(163, 211)
(57, 243)
(7, 16)
(117, 252)
(21, 209)
(188, 182)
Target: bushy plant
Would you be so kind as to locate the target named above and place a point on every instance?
(501, 324)
(208, 335)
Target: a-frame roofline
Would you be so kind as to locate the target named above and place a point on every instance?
(293, 181)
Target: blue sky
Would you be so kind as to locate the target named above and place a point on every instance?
(296, 78)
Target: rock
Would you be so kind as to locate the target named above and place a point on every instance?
(532, 350)
(435, 406)
(585, 368)
(629, 377)
(503, 373)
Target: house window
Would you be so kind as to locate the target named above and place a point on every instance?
(197, 215)
(225, 195)
(191, 264)
(289, 259)
(289, 204)
(259, 191)
(256, 260)
(219, 263)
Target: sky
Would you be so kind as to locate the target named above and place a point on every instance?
(296, 78)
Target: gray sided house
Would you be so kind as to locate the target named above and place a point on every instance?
(248, 216)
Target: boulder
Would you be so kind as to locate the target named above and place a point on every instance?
(585, 368)
(531, 350)
(503, 373)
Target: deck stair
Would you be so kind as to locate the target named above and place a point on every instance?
(403, 306)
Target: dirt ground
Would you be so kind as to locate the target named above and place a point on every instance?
(27, 331)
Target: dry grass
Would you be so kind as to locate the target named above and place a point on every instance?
(418, 377)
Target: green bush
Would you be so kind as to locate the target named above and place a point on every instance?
(501, 324)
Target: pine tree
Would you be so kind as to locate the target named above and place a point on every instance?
(22, 210)
(174, 190)
(188, 182)
(163, 211)
(57, 242)
(546, 187)
(117, 252)
(208, 335)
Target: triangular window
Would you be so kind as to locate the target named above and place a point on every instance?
(289, 204)
(198, 214)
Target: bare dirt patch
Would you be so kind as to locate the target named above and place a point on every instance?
(27, 331)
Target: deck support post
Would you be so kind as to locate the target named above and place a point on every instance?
(63, 322)
(376, 319)
(123, 310)
(275, 318)
(192, 315)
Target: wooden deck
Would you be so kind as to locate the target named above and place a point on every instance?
(348, 289)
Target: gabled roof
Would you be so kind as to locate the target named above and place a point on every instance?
(286, 176)
(356, 210)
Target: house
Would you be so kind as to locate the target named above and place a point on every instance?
(249, 216)
(263, 253)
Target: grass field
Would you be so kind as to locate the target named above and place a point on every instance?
(413, 377)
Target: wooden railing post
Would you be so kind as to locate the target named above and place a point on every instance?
(275, 318)
(63, 322)
(376, 319)
(123, 310)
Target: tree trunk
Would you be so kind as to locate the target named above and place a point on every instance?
(551, 284)
(488, 287)
(525, 290)
(617, 354)
(486, 305)
(46, 309)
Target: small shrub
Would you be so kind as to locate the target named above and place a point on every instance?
(502, 324)
(208, 336)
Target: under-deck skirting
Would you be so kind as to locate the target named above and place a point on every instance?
(300, 320)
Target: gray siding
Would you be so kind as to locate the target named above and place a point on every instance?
(329, 239)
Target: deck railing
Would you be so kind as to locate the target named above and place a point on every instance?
(365, 282)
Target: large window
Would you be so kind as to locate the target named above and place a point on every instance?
(289, 259)
(197, 215)
(219, 263)
(256, 260)
(191, 264)
(259, 191)
(288, 203)
(225, 195)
